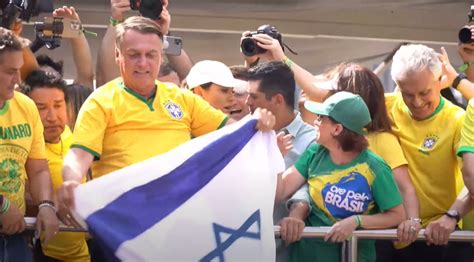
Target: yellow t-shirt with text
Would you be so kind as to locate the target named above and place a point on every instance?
(120, 127)
(65, 246)
(21, 138)
(430, 147)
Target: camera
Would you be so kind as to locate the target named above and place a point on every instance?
(465, 35)
(50, 32)
(249, 45)
(22, 9)
(148, 8)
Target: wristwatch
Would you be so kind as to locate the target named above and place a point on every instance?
(458, 79)
(453, 214)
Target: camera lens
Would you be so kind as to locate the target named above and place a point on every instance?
(465, 35)
(248, 46)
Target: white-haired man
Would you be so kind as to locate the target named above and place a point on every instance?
(428, 127)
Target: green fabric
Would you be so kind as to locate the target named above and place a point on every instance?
(90, 151)
(148, 101)
(465, 149)
(442, 101)
(344, 107)
(5, 107)
(223, 123)
(364, 186)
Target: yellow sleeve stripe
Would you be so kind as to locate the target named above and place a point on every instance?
(88, 150)
(465, 149)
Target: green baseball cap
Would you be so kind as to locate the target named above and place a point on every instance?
(346, 108)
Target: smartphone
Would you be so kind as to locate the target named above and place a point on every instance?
(172, 45)
(63, 27)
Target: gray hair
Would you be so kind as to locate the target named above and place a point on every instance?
(415, 58)
(140, 24)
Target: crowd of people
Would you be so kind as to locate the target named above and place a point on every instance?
(356, 157)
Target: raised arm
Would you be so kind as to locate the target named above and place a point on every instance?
(304, 79)
(106, 68)
(80, 50)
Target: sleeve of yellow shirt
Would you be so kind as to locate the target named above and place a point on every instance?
(390, 150)
(37, 146)
(204, 118)
(90, 126)
(466, 143)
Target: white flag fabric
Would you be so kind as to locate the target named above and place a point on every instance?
(210, 199)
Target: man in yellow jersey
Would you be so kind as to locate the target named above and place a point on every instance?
(22, 156)
(428, 128)
(48, 92)
(135, 117)
(466, 151)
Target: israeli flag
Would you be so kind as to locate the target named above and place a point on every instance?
(210, 199)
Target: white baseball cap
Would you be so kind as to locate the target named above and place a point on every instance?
(208, 71)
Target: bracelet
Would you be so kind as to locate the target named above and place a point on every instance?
(358, 220)
(114, 22)
(464, 66)
(5, 206)
(458, 79)
(415, 219)
(287, 62)
(47, 205)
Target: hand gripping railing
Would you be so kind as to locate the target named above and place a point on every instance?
(320, 232)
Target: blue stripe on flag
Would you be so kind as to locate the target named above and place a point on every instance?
(137, 210)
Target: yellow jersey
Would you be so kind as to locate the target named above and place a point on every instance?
(21, 138)
(65, 246)
(120, 127)
(467, 134)
(386, 145)
(466, 145)
(430, 147)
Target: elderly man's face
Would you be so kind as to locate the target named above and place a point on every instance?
(10, 64)
(421, 93)
(139, 59)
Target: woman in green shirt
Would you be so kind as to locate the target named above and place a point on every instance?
(350, 186)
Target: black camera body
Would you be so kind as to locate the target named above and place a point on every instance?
(148, 8)
(249, 45)
(465, 34)
(22, 9)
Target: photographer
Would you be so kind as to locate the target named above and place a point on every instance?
(107, 70)
(303, 78)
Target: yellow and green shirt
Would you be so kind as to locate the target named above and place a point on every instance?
(65, 246)
(466, 145)
(467, 134)
(21, 138)
(120, 127)
(430, 147)
(364, 186)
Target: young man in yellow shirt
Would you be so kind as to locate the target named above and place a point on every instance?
(22, 156)
(48, 91)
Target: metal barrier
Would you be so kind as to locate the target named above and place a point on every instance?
(320, 232)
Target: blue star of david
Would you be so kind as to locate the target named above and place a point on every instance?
(235, 234)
